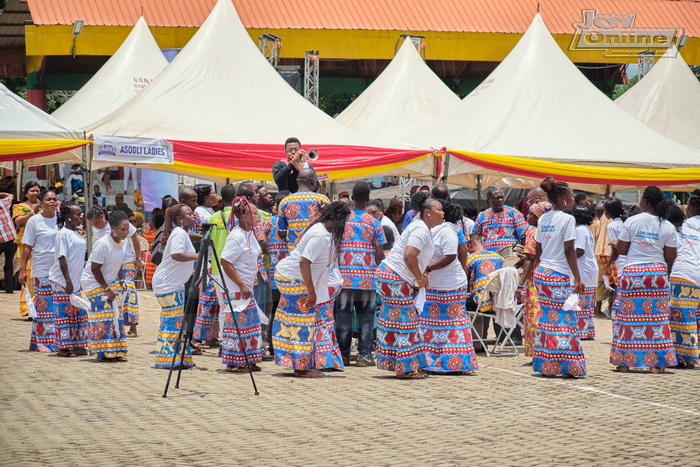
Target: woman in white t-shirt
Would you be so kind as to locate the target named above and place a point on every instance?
(588, 268)
(641, 333)
(38, 245)
(443, 323)
(302, 279)
(405, 270)
(557, 347)
(100, 284)
(70, 322)
(239, 261)
(206, 199)
(614, 211)
(169, 280)
(685, 288)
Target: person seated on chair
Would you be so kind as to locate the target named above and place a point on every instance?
(480, 264)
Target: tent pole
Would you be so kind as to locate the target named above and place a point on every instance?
(446, 169)
(87, 191)
(607, 191)
(478, 194)
(18, 169)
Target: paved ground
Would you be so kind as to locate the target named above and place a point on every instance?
(78, 412)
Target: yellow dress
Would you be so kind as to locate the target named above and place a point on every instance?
(23, 210)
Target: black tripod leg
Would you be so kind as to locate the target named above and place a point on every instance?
(172, 365)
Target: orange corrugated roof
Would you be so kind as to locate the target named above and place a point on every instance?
(509, 16)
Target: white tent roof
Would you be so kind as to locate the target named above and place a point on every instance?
(405, 96)
(21, 120)
(137, 61)
(537, 104)
(220, 88)
(667, 99)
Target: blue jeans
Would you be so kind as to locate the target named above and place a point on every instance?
(260, 294)
(363, 302)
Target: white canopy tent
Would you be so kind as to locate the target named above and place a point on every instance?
(536, 104)
(220, 89)
(137, 61)
(20, 120)
(405, 96)
(667, 99)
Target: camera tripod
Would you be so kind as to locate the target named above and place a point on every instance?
(202, 272)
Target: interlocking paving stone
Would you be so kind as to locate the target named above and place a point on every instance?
(77, 411)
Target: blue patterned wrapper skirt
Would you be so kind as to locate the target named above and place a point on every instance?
(251, 334)
(584, 316)
(70, 322)
(327, 351)
(294, 327)
(446, 332)
(206, 327)
(557, 346)
(131, 304)
(42, 336)
(172, 318)
(399, 348)
(641, 332)
(104, 340)
(685, 319)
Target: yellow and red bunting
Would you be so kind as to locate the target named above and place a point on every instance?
(600, 175)
(255, 161)
(21, 149)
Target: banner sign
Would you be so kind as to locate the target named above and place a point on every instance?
(134, 150)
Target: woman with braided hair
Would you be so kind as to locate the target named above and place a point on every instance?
(302, 279)
(239, 262)
(557, 347)
(685, 288)
(169, 281)
(70, 322)
(641, 332)
(100, 281)
(443, 323)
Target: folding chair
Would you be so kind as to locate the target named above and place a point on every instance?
(478, 314)
(141, 273)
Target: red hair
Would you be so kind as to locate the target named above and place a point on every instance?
(171, 215)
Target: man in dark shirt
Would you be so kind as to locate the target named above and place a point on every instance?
(286, 173)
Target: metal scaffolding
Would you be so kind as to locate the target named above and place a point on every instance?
(270, 46)
(645, 60)
(418, 42)
(311, 66)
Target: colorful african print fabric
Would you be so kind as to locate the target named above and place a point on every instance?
(500, 229)
(172, 318)
(641, 332)
(685, 319)
(399, 348)
(43, 329)
(479, 266)
(557, 346)
(206, 327)
(326, 350)
(276, 250)
(446, 332)
(105, 340)
(294, 214)
(70, 322)
(363, 233)
(531, 301)
(584, 316)
(294, 327)
(131, 305)
(250, 333)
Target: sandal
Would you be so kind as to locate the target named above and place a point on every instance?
(255, 367)
(657, 370)
(308, 374)
(237, 369)
(412, 375)
(66, 353)
(622, 369)
(197, 351)
(121, 359)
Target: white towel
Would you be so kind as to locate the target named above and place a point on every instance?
(571, 303)
(419, 301)
(502, 284)
(79, 302)
(31, 309)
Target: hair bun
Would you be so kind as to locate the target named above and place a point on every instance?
(548, 184)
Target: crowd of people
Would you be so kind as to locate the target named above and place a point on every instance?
(295, 277)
